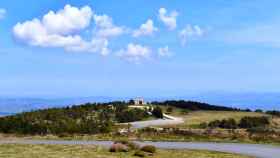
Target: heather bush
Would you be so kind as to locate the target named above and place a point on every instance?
(140, 153)
(149, 149)
(118, 148)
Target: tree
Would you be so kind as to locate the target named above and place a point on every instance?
(259, 110)
(214, 124)
(131, 102)
(157, 112)
(169, 110)
(253, 122)
(228, 124)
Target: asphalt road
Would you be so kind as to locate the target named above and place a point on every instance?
(168, 120)
(259, 151)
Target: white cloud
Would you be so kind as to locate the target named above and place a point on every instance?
(2, 13)
(170, 20)
(190, 32)
(34, 33)
(95, 45)
(68, 20)
(61, 30)
(164, 52)
(135, 53)
(147, 28)
(105, 27)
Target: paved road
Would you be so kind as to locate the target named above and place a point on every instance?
(259, 151)
(168, 120)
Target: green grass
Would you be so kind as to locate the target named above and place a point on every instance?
(78, 151)
(193, 119)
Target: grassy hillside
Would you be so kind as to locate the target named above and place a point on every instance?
(90, 118)
(62, 151)
(198, 117)
(83, 119)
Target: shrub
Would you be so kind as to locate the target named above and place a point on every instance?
(259, 110)
(261, 130)
(274, 113)
(185, 111)
(149, 149)
(253, 122)
(131, 115)
(140, 153)
(203, 125)
(248, 110)
(169, 110)
(118, 148)
(214, 124)
(157, 112)
(245, 122)
(130, 145)
(228, 124)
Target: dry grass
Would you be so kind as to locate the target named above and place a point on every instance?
(78, 151)
(198, 117)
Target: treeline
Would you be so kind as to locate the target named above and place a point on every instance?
(245, 122)
(274, 113)
(191, 105)
(90, 118)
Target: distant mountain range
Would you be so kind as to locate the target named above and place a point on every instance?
(15, 105)
(5, 114)
(266, 101)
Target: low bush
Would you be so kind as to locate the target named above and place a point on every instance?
(149, 149)
(261, 130)
(274, 113)
(117, 147)
(245, 122)
(203, 125)
(157, 112)
(214, 124)
(129, 144)
(169, 110)
(140, 153)
(229, 124)
(253, 122)
(259, 110)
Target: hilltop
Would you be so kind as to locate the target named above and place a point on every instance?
(89, 118)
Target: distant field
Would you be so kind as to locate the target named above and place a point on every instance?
(198, 117)
(78, 151)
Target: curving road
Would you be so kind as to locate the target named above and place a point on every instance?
(259, 151)
(168, 120)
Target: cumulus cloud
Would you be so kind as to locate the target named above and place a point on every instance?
(105, 27)
(147, 28)
(67, 20)
(190, 32)
(135, 53)
(164, 52)
(95, 45)
(170, 20)
(2, 13)
(60, 29)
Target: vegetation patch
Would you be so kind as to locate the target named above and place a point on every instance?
(86, 151)
(148, 149)
(118, 147)
(140, 153)
(245, 122)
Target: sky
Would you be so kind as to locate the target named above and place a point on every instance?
(153, 48)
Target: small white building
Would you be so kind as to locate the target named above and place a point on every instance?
(139, 101)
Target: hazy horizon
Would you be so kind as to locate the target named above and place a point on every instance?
(265, 101)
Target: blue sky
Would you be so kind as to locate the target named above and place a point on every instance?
(138, 48)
